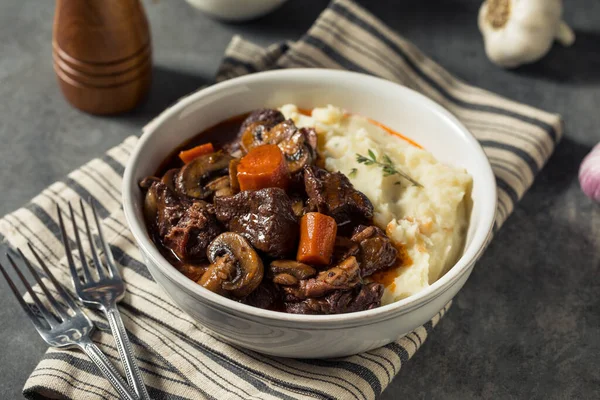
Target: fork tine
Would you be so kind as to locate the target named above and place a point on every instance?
(51, 319)
(97, 263)
(65, 240)
(57, 307)
(65, 296)
(34, 318)
(110, 260)
(82, 257)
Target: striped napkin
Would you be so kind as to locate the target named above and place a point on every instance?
(179, 358)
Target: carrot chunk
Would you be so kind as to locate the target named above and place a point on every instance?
(317, 238)
(188, 156)
(264, 166)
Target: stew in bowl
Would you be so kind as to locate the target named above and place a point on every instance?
(307, 211)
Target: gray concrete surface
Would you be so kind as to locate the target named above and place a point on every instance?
(527, 323)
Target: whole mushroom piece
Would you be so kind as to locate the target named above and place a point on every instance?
(192, 178)
(518, 32)
(151, 199)
(235, 267)
(290, 272)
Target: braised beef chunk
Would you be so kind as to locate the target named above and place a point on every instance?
(264, 296)
(376, 250)
(362, 297)
(193, 232)
(344, 248)
(186, 226)
(332, 193)
(265, 217)
(343, 276)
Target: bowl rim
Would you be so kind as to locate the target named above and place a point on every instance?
(454, 273)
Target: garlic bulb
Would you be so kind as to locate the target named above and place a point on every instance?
(589, 174)
(518, 32)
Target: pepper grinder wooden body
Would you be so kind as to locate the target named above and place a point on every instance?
(102, 54)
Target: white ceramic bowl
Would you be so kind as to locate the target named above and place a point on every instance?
(236, 10)
(310, 336)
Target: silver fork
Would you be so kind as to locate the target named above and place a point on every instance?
(67, 325)
(103, 293)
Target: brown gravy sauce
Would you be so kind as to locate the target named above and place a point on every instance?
(219, 135)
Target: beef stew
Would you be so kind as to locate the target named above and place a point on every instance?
(299, 239)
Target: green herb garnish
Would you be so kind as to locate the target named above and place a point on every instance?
(352, 173)
(387, 166)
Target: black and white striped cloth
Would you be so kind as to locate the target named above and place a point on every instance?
(178, 357)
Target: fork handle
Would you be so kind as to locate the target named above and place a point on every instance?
(132, 372)
(107, 369)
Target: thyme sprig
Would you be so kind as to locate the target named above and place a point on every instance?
(387, 166)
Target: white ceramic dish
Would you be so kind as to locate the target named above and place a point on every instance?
(236, 10)
(309, 336)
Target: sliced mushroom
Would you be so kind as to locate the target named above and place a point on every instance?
(279, 133)
(151, 205)
(233, 180)
(289, 272)
(235, 267)
(253, 136)
(345, 273)
(298, 207)
(298, 149)
(224, 192)
(285, 279)
(193, 271)
(148, 181)
(194, 175)
(298, 145)
(169, 178)
(256, 125)
(343, 276)
(220, 186)
(221, 270)
(150, 199)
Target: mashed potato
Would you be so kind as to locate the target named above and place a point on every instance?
(429, 222)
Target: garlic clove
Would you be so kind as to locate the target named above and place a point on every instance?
(565, 35)
(517, 32)
(589, 174)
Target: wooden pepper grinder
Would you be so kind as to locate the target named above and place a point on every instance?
(102, 54)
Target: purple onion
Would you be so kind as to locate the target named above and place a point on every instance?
(589, 174)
